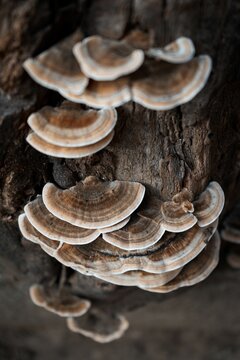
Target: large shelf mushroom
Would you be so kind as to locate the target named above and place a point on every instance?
(120, 71)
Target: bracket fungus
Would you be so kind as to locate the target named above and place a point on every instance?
(99, 325)
(163, 86)
(209, 204)
(195, 271)
(71, 126)
(104, 59)
(179, 51)
(94, 204)
(57, 301)
(57, 69)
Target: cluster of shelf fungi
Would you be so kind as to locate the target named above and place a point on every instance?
(117, 231)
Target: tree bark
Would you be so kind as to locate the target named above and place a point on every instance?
(185, 147)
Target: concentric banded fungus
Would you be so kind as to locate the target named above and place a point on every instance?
(164, 86)
(54, 228)
(67, 152)
(57, 68)
(94, 204)
(71, 126)
(231, 230)
(179, 51)
(140, 278)
(103, 93)
(209, 205)
(148, 225)
(170, 253)
(99, 326)
(31, 234)
(58, 302)
(103, 59)
(197, 270)
(178, 213)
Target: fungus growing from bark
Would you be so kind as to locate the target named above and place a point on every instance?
(104, 59)
(57, 68)
(94, 204)
(100, 326)
(195, 271)
(70, 126)
(57, 301)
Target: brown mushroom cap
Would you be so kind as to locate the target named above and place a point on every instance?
(140, 278)
(94, 204)
(58, 302)
(165, 86)
(67, 152)
(178, 51)
(99, 325)
(209, 205)
(53, 228)
(115, 227)
(31, 234)
(100, 94)
(170, 253)
(231, 230)
(71, 126)
(104, 59)
(57, 68)
(197, 270)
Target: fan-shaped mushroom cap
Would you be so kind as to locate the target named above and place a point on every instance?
(67, 152)
(170, 253)
(54, 228)
(144, 229)
(99, 326)
(57, 68)
(94, 204)
(197, 270)
(178, 213)
(209, 205)
(71, 126)
(100, 94)
(115, 227)
(178, 51)
(165, 86)
(31, 234)
(59, 302)
(140, 278)
(231, 230)
(104, 59)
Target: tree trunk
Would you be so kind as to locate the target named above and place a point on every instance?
(185, 147)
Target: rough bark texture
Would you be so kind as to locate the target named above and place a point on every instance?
(188, 146)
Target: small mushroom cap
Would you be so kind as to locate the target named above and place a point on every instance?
(144, 229)
(165, 86)
(177, 52)
(67, 152)
(209, 205)
(99, 326)
(178, 213)
(104, 59)
(31, 234)
(100, 94)
(71, 126)
(58, 302)
(231, 230)
(53, 228)
(197, 270)
(94, 204)
(140, 278)
(170, 253)
(57, 69)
